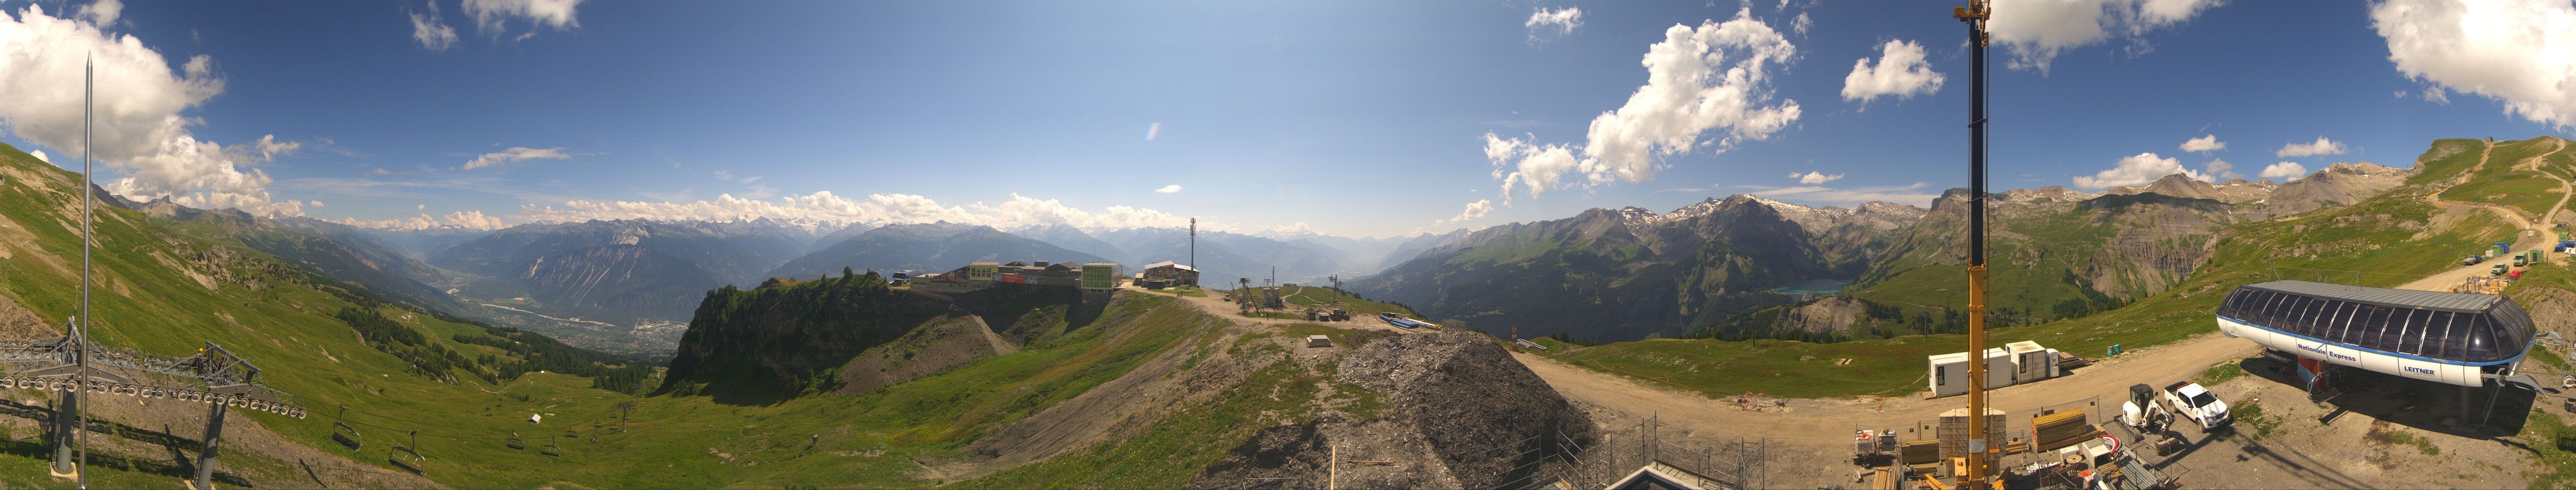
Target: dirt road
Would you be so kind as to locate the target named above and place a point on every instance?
(1809, 439)
(2534, 235)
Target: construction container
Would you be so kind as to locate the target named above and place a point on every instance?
(2032, 362)
(1949, 372)
(1954, 435)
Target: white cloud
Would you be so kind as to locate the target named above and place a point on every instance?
(140, 129)
(2036, 31)
(521, 153)
(2519, 53)
(2137, 169)
(2204, 144)
(40, 156)
(2285, 171)
(493, 16)
(2322, 146)
(314, 203)
(1563, 21)
(420, 206)
(2437, 95)
(432, 31)
(2222, 169)
(1900, 194)
(1152, 131)
(1813, 178)
(269, 147)
(103, 12)
(1801, 24)
(1474, 210)
(1169, 189)
(1698, 79)
(470, 220)
(1900, 72)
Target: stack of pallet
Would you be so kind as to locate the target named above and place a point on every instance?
(1954, 434)
(2062, 429)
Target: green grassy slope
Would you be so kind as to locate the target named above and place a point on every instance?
(2385, 236)
(2505, 181)
(282, 317)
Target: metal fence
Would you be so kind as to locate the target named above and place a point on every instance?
(1618, 453)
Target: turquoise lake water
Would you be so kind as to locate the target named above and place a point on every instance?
(1818, 286)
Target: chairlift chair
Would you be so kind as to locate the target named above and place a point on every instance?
(408, 460)
(516, 442)
(345, 435)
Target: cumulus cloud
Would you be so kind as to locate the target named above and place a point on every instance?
(2437, 95)
(268, 148)
(40, 156)
(2036, 31)
(494, 16)
(1562, 21)
(2138, 169)
(1800, 24)
(2285, 171)
(140, 129)
(1900, 72)
(518, 154)
(1714, 77)
(102, 12)
(431, 30)
(2204, 144)
(2322, 146)
(2222, 169)
(1170, 189)
(2522, 54)
(1474, 210)
(1813, 178)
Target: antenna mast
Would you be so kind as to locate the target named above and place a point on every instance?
(80, 340)
(1975, 15)
(1194, 248)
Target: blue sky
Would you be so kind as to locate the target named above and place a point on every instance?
(1352, 118)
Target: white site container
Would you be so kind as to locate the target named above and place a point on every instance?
(2032, 362)
(1949, 372)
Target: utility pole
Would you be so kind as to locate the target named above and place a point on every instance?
(1975, 15)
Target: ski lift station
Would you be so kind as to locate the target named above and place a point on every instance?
(2456, 338)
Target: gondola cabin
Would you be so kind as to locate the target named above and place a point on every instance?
(2455, 338)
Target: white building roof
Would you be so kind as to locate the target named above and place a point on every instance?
(1172, 264)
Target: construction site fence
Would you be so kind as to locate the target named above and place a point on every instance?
(1618, 453)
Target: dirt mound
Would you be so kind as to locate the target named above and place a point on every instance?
(1461, 412)
(1292, 455)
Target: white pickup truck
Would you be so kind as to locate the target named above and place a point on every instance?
(2192, 401)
